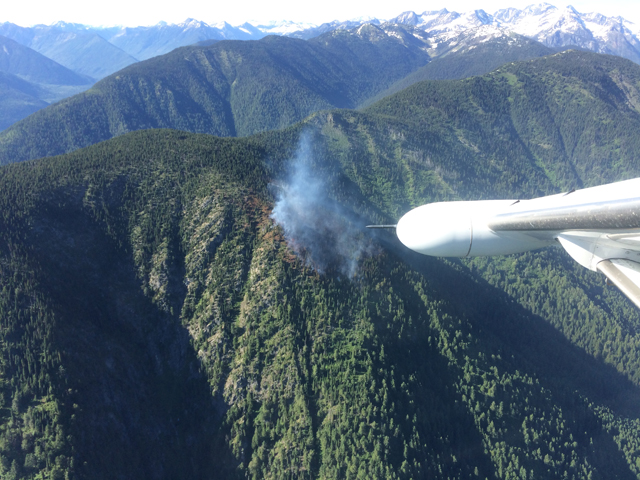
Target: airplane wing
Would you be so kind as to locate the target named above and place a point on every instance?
(617, 256)
(598, 226)
(600, 235)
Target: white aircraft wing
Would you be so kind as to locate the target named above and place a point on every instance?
(598, 226)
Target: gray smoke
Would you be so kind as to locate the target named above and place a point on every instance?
(325, 234)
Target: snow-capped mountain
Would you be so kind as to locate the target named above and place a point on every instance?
(284, 27)
(146, 42)
(561, 27)
(444, 21)
(309, 33)
(552, 26)
(408, 37)
(445, 43)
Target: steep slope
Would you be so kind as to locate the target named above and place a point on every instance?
(34, 67)
(157, 323)
(18, 99)
(31, 81)
(473, 52)
(564, 110)
(82, 51)
(229, 88)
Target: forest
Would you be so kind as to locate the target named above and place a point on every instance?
(159, 322)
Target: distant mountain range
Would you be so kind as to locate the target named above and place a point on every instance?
(99, 51)
(30, 81)
(146, 42)
(93, 53)
(76, 47)
(552, 26)
(30, 65)
(236, 88)
(549, 25)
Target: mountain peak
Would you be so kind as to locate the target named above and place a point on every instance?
(481, 15)
(192, 23)
(222, 25)
(572, 9)
(507, 14)
(539, 9)
(370, 32)
(68, 26)
(407, 18)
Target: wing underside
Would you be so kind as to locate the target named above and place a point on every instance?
(601, 235)
(616, 255)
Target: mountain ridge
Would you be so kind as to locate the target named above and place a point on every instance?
(34, 67)
(216, 89)
(473, 52)
(79, 46)
(79, 49)
(31, 81)
(544, 22)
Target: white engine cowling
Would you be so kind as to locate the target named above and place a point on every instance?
(459, 229)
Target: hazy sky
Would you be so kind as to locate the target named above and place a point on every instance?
(133, 13)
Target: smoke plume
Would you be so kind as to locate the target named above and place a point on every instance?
(325, 234)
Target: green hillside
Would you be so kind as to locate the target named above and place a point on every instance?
(572, 117)
(157, 322)
(226, 89)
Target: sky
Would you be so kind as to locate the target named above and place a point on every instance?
(134, 13)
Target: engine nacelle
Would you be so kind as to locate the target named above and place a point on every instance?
(459, 229)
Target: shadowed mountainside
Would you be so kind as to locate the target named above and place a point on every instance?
(18, 99)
